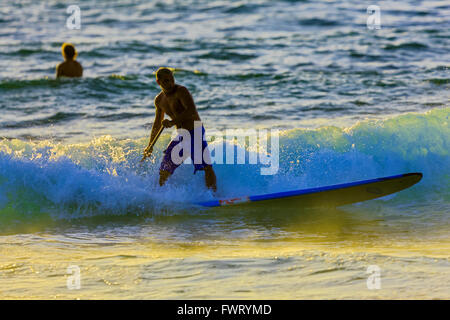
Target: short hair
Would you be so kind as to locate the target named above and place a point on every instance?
(68, 51)
(163, 71)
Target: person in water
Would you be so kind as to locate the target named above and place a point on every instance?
(176, 101)
(70, 67)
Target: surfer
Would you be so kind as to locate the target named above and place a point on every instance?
(176, 101)
(70, 67)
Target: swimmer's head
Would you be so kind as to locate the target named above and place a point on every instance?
(68, 51)
(165, 79)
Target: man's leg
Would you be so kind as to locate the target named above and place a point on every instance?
(167, 165)
(210, 178)
(163, 176)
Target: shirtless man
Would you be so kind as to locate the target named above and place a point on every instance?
(70, 67)
(177, 102)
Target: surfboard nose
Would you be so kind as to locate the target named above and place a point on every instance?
(416, 175)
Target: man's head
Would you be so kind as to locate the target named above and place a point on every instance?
(165, 79)
(68, 51)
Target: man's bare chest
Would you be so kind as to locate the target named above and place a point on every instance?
(172, 105)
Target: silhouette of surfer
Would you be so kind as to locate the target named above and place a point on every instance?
(176, 101)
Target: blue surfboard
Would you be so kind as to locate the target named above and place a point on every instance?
(328, 196)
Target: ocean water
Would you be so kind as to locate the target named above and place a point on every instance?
(349, 103)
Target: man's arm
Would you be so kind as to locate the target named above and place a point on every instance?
(58, 70)
(81, 69)
(159, 116)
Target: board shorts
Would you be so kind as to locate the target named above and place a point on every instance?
(204, 160)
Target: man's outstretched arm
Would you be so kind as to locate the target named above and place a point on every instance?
(159, 116)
